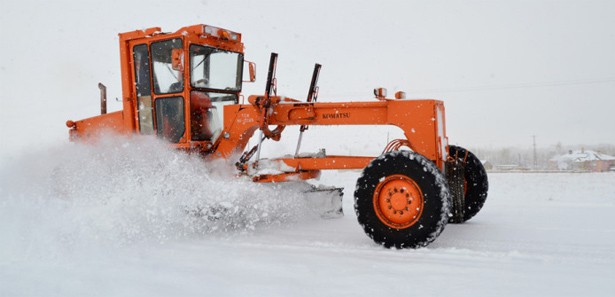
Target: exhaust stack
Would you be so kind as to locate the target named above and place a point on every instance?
(103, 98)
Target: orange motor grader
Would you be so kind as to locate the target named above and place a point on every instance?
(185, 87)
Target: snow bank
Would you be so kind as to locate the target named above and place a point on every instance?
(127, 190)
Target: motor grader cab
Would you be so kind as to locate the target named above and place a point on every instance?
(175, 85)
(185, 87)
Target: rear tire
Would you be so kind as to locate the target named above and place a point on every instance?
(402, 200)
(476, 183)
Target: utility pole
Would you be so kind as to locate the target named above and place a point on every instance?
(535, 161)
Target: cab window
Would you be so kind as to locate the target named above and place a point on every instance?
(216, 69)
(170, 118)
(167, 79)
(207, 114)
(143, 89)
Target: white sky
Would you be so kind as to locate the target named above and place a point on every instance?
(505, 69)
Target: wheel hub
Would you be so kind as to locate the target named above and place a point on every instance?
(398, 201)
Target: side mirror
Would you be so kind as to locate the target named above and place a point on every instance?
(251, 71)
(177, 59)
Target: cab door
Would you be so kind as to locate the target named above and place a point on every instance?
(158, 73)
(168, 89)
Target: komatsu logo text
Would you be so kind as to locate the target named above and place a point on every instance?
(339, 115)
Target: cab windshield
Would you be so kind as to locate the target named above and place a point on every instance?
(215, 69)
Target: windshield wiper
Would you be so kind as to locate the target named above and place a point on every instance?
(197, 65)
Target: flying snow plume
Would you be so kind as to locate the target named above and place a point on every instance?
(125, 190)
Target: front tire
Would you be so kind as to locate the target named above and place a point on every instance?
(402, 200)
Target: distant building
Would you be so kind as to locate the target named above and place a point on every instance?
(583, 160)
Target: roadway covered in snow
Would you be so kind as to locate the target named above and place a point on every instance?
(78, 228)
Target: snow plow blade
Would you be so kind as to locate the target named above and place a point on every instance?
(326, 201)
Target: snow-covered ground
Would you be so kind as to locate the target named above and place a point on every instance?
(110, 221)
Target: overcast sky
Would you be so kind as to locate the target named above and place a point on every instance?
(505, 69)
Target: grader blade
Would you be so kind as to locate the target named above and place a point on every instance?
(326, 201)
